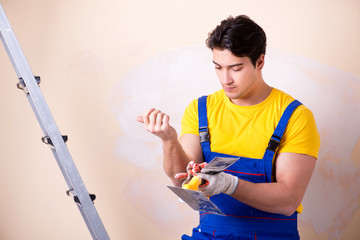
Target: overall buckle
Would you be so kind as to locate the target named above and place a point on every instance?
(273, 143)
(204, 134)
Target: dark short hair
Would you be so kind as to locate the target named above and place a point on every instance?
(241, 36)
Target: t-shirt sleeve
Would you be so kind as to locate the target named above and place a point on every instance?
(190, 119)
(301, 134)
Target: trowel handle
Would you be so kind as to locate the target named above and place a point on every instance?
(193, 184)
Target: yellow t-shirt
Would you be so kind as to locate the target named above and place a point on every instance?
(246, 130)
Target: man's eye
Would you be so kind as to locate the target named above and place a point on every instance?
(236, 69)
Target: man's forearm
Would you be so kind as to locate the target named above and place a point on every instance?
(268, 197)
(178, 153)
(175, 160)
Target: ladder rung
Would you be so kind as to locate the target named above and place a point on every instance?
(21, 84)
(76, 199)
(47, 140)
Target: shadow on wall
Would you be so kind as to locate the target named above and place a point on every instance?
(172, 79)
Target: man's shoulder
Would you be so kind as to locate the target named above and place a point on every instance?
(301, 112)
(282, 99)
(282, 96)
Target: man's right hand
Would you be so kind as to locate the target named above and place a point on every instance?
(157, 123)
(177, 153)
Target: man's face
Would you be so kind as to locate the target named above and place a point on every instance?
(237, 75)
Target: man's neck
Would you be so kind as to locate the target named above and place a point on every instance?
(261, 93)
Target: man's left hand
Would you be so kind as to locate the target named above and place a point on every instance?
(218, 183)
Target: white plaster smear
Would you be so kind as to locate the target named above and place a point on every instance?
(172, 79)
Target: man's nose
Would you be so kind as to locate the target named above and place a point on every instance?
(226, 77)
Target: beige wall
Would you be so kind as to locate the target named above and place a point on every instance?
(104, 62)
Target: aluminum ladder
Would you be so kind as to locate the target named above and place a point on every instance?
(30, 85)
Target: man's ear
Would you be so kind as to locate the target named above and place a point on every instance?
(260, 62)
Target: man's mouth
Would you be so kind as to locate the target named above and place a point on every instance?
(228, 88)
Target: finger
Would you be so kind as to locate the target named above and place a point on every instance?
(146, 115)
(140, 119)
(159, 120)
(190, 165)
(204, 182)
(181, 175)
(152, 118)
(196, 168)
(166, 120)
(203, 164)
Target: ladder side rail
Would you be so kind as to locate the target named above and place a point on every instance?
(49, 127)
(23, 71)
(60, 163)
(90, 212)
(4, 28)
(95, 233)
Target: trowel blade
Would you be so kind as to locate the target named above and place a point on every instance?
(219, 164)
(196, 200)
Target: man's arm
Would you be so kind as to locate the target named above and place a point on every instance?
(293, 173)
(177, 153)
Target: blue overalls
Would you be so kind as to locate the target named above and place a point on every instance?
(242, 221)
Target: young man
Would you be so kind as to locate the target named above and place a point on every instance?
(274, 135)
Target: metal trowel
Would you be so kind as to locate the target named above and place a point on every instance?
(196, 199)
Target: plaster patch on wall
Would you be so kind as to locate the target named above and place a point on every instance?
(172, 79)
(167, 82)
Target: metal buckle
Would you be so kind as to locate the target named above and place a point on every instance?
(273, 144)
(204, 135)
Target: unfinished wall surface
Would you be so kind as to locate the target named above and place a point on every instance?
(102, 63)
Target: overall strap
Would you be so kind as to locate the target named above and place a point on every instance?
(276, 137)
(203, 127)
